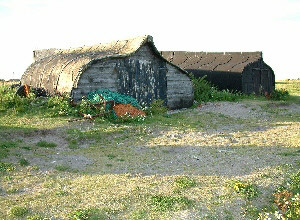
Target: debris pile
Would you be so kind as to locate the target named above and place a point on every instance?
(125, 109)
(123, 104)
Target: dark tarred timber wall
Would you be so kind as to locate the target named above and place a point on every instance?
(236, 71)
(219, 79)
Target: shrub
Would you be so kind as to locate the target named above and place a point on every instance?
(204, 91)
(279, 94)
(61, 106)
(9, 100)
(157, 108)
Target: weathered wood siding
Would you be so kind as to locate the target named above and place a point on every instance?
(180, 89)
(142, 75)
(100, 75)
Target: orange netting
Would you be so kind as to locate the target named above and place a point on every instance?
(123, 109)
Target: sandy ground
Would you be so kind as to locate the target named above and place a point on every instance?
(227, 150)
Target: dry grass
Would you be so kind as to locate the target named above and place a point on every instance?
(181, 166)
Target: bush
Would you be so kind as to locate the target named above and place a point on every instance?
(279, 94)
(157, 108)
(61, 106)
(9, 100)
(204, 91)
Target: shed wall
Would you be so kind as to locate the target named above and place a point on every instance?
(141, 75)
(222, 80)
(180, 89)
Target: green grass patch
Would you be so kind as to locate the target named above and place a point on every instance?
(89, 213)
(23, 162)
(4, 167)
(247, 190)
(169, 203)
(5, 146)
(184, 182)
(46, 144)
(63, 168)
(19, 211)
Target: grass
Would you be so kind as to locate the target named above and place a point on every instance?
(185, 165)
(19, 211)
(46, 144)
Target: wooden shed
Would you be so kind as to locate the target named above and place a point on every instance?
(132, 67)
(237, 71)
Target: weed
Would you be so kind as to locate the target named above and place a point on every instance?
(12, 190)
(184, 182)
(36, 217)
(62, 192)
(204, 91)
(6, 167)
(280, 94)
(139, 214)
(294, 183)
(26, 148)
(23, 162)
(111, 156)
(18, 211)
(73, 144)
(60, 106)
(249, 191)
(169, 203)
(62, 168)
(157, 108)
(294, 153)
(46, 144)
(4, 148)
(88, 214)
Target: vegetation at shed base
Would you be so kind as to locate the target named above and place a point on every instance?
(205, 92)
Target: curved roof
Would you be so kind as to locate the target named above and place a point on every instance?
(212, 61)
(60, 69)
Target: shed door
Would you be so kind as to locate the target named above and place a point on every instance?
(265, 83)
(256, 81)
(261, 81)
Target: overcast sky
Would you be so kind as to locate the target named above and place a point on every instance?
(270, 26)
